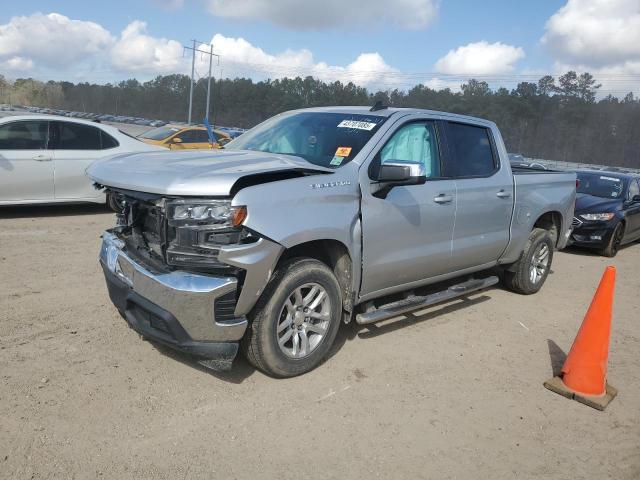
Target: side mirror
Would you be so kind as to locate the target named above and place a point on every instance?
(401, 172)
(176, 140)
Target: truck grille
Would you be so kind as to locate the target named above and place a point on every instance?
(143, 227)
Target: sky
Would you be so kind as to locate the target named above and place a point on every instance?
(373, 43)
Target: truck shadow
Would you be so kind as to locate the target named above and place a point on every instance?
(39, 211)
(240, 370)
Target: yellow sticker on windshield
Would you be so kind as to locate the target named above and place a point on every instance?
(343, 151)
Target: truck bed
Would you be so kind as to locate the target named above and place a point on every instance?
(554, 191)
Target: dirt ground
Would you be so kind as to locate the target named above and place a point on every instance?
(455, 392)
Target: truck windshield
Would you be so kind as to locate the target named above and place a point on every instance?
(322, 138)
(600, 185)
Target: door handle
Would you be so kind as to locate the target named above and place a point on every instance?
(503, 194)
(442, 198)
(42, 158)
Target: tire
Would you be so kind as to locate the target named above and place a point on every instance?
(114, 203)
(611, 250)
(266, 345)
(520, 277)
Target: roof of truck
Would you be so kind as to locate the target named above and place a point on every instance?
(389, 111)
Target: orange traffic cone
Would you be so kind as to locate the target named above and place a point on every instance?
(584, 373)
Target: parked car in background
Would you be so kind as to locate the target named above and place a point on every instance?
(178, 137)
(518, 161)
(43, 158)
(321, 216)
(607, 213)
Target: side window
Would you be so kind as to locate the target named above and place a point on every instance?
(194, 136)
(472, 149)
(415, 142)
(202, 136)
(634, 189)
(75, 136)
(107, 141)
(30, 135)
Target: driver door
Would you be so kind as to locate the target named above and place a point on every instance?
(26, 167)
(407, 233)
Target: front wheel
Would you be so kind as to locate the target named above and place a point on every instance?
(295, 322)
(611, 250)
(114, 203)
(529, 273)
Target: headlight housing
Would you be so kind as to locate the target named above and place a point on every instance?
(198, 228)
(597, 216)
(218, 213)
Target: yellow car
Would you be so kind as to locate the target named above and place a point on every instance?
(178, 137)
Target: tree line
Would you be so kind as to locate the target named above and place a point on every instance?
(556, 119)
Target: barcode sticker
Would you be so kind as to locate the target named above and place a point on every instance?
(357, 125)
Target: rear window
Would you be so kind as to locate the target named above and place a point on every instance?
(75, 136)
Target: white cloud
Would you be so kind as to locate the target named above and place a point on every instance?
(596, 33)
(481, 58)
(437, 83)
(135, 51)
(169, 4)
(53, 40)
(302, 15)
(617, 80)
(54, 46)
(18, 64)
(241, 58)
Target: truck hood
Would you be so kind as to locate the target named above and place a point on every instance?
(192, 173)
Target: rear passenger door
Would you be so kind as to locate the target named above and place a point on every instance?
(484, 192)
(75, 146)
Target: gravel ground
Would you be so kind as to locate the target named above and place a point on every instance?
(454, 392)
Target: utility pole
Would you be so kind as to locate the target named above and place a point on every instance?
(206, 114)
(194, 49)
(193, 68)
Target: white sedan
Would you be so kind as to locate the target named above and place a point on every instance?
(43, 158)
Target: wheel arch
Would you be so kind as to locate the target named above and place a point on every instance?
(551, 221)
(335, 255)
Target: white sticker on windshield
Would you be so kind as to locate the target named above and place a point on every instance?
(357, 125)
(613, 179)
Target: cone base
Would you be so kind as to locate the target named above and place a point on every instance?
(556, 385)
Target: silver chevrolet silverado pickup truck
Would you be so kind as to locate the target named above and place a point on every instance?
(317, 217)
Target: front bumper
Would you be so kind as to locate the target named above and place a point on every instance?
(177, 309)
(594, 234)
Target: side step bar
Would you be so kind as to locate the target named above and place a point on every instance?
(416, 302)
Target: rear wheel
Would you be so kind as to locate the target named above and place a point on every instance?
(295, 322)
(611, 250)
(529, 273)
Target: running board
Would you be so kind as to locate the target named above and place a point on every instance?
(416, 302)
